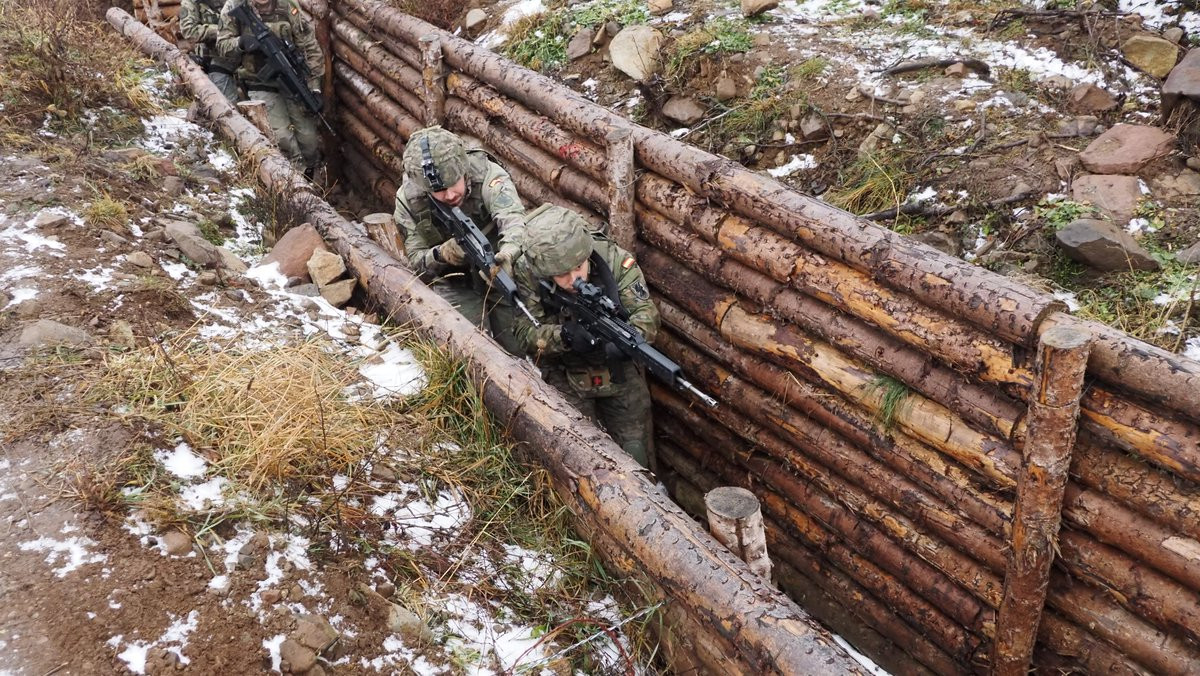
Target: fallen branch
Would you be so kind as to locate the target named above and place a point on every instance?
(976, 65)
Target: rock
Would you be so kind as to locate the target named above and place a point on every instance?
(1125, 149)
(49, 332)
(324, 267)
(580, 45)
(683, 110)
(1088, 98)
(254, 551)
(5, 299)
(405, 622)
(1174, 35)
(1150, 54)
(191, 243)
(941, 241)
(474, 22)
(112, 238)
(612, 28)
(173, 186)
(1103, 246)
(956, 70)
(958, 217)
(964, 105)
(140, 259)
(299, 658)
(1190, 255)
(230, 261)
(309, 290)
(1184, 81)
(49, 220)
(1182, 184)
(600, 38)
(293, 250)
(236, 295)
(121, 155)
(635, 51)
(1086, 125)
(1116, 196)
(338, 293)
(314, 632)
(814, 128)
(726, 88)
(385, 589)
(1059, 82)
(155, 235)
(660, 7)
(755, 7)
(208, 278)
(177, 543)
(271, 596)
(120, 333)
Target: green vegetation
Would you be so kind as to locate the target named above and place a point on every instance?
(1059, 215)
(892, 394)
(211, 231)
(775, 93)
(106, 212)
(873, 183)
(540, 41)
(719, 36)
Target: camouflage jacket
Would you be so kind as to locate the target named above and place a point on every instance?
(288, 23)
(198, 24)
(491, 202)
(545, 342)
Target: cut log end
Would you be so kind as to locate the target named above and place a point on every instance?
(1066, 337)
(731, 502)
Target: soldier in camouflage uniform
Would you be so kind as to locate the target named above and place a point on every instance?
(485, 192)
(560, 247)
(294, 127)
(198, 23)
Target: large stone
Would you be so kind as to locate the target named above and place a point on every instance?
(408, 624)
(1103, 246)
(726, 88)
(1088, 98)
(1183, 183)
(1125, 149)
(756, 7)
(324, 267)
(660, 7)
(293, 250)
(1190, 255)
(814, 127)
(1116, 196)
(186, 235)
(580, 45)
(299, 658)
(48, 219)
(474, 22)
(1150, 54)
(230, 261)
(1174, 35)
(635, 51)
(942, 241)
(314, 632)
(338, 293)
(684, 110)
(177, 543)
(140, 259)
(1184, 81)
(47, 332)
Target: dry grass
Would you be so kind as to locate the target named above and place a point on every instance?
(873, 183)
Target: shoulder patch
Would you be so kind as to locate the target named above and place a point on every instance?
(628, 262)
(639, 291)
(496, 181)
(295, 11)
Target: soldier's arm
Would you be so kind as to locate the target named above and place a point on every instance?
(635, 297)
(228, 32)
(503, 204)
(418, 238)
(306, 40)
(190, 25)
(535, 341)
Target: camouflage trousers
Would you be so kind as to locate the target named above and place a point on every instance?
(483, 307)
(227, 84)
(621, 409)
(294, 127)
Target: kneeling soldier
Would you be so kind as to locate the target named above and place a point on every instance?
(559, 252)
(438, 166)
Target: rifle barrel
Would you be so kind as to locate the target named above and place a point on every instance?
(707, 400)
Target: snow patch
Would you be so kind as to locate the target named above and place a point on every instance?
(797, 163)
(182, 462)
(73, 552)
(207, 495)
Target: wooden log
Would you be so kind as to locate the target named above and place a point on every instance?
(382, 229)
(603, 486)
(534, 192)
(365, 115)
(734, 518)
(621, 222)
(256, 112)
(366, 175)
(1053, 418)
(385, 157)
(433, 85)
(397, 89)
(380, 103)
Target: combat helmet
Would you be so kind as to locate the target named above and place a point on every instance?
(434, 159)
(557, 240)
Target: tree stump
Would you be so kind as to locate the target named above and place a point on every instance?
(735, 519)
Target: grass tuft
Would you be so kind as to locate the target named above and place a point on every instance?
(106, 212)
(892, 394)
(873, 183)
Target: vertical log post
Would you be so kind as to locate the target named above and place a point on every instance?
(381, 227)
(621, 225)
(735, 520)
(433, 80)
(1053, 418)
(331, 148)
(256, 112)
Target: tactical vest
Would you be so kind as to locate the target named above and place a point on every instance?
(280, 23)
(206, 52)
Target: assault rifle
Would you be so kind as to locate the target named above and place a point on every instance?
(478, 252)
(285, 64)
(599, 316)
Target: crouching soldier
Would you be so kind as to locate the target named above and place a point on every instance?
(198, 21)
(558, 253)
(437, 166)
(295, 128)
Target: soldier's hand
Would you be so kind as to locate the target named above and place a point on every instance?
(577, 338)
(507, 254)
(247, 43)
(450, 253)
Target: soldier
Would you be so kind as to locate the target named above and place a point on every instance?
(198, 21)
(610, 390)
(294, 127)
(483, 190)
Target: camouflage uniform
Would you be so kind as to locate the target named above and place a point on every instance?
(295, 128)
(198, 21)
(559, 240)
(491, 202)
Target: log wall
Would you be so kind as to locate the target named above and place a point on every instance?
(875, 393)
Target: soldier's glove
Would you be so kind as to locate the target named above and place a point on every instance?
(450, 253)
(507, 254)
(578, 339)
(247, 43)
